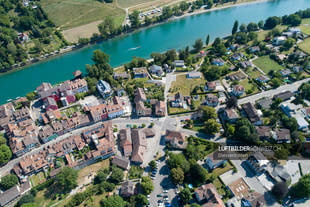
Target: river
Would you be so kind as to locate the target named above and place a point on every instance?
(171, 35)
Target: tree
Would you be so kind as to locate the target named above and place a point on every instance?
(198, 45)
(29, 205)
(252, 26)
(2, 139)
(242, 28)
(141, 200)
(212, 126)
(167, 12)
(5, 154)
(207, 40)
(280, 190)
(302, 188)
(8, 181)
(208, 112)
(261, 24)
(152, 165)
(147, 185)
(184, 6)
(185, 195)
(177, 175)
(100, 177)
(113, 201)
(25, 199)
(272, 22)
(134, 19)
(281, 154)
(293, 20)
(198, 174)
(117, 175)
(289, 43)
(178, 160)
(232, 102)
(66, 179)
(31, 96)
(195, 205)
(235, 27)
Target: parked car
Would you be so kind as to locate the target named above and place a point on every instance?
(165, 191)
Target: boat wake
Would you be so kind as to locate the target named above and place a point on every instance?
(134, 48)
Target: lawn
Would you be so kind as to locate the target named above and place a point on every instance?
(184, 85)
(305, 45)
(85, 173)
(253, 73)
(266, 64)
(68, 112)
(219, 171)
(250, 88)
(37, 179)
(73, 13)
(262, 33)
(305, 26)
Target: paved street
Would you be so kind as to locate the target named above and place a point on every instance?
(270, 93)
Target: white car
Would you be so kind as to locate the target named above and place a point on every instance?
(165, 191)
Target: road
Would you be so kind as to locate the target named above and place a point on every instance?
(270, 93)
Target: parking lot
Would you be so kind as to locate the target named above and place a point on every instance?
(165, 192)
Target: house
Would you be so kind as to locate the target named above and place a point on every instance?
(245, 64)
(212, 100)
(218, 62)
(193, 75)
(77, 74)
(264, 103)
(179, 63)
(297, 69)
(125, 141)
(285, 72)
(139, 146)
(140, 72)
(78, 86)
(50, 103)
(104, 88)
(46, 134)
(235, 57)
(262, 79)
(278, 173)
(210, 86)
(167, 68)
(236, 76)
(121, 162)
(234, 46)
(160, 108)
(237, 90)
(119, 76)
(254, 49)
(301, 122)
(213, 163)
(207, 195)
(239, 188)
(284, 96)
(128, 189)
(257, 162)
(156, 70)
(263, 132)
(251, 113)
(176, 139)
(279, 40)
(253, 199)
(295, 30)
(178, 101)
(230, 115)
(148, 132)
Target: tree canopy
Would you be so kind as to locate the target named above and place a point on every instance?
(8, 181)
(66, 179)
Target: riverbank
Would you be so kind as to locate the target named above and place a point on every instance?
(75, 47)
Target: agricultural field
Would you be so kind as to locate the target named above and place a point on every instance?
(68, 14)
(266, 64)
(305, 45)
(305, 26)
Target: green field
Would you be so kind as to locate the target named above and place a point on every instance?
(184, 85)
(305, 26)
(267, 65)
(72, 13)
(250, 88)
(129, 3)
(253, 73)
(305, 45)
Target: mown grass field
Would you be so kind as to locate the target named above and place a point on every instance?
(184, 85)
(67, 14)
(130, 3)
(305, 26)
(305, 45)
(267, 65)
